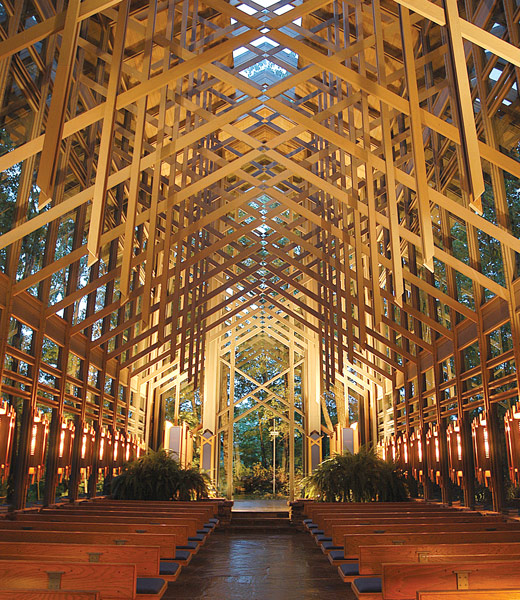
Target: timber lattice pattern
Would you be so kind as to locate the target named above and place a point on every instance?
(218, 167)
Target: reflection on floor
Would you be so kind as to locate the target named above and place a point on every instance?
(259, 566)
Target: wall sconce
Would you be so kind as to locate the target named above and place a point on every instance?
(86, 456)
(417, 455)
(433, 454)
(105, 451)
(65, 443)
(7, 426)
(512, 427)
(37, 446)
(402, 451)
(119, 452)
(455, 463)
(480, 435)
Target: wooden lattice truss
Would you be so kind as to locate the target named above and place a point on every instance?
(304, 160)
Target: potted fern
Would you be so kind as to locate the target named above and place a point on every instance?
(158, 476)
(360, 477)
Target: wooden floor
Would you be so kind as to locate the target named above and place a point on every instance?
(259, 566)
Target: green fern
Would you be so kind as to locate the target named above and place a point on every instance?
(158, 476)
(360, 477)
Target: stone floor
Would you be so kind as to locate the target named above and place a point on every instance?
(259, 566)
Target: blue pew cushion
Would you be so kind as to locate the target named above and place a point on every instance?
(196, 538)
(203, 531)
(149, 585)
(168, 568)
(312, 526)
(307, 521)
(337, 554)
(349, 569)
(182, 554)
(367, 585)
(318, 532)
(209, 525)
(213, 521)
(188, 546)
(330, 546)
(323, 538)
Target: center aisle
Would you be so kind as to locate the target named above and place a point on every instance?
(259, 566)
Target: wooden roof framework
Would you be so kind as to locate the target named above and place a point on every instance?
(195, 196)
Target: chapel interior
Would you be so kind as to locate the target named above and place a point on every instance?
(269, 250)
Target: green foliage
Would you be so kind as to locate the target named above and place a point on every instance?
(158, 476)
(258, 481)
(483, 495)
(360, 477)
(191, 484)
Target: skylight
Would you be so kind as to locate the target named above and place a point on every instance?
(264, 72)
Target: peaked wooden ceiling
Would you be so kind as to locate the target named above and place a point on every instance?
(304, 161)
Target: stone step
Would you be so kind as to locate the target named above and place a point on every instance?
(260, 529)
(259, 521)
(258, 515)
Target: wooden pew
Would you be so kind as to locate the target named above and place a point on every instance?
(403, 581)
(201, 516)
(471, 595)
(352, 543)
(207, 508)
(194, 524)
(347, 524)
(209, 503)
(197, 522)
(383, 507)
(178, 533)
(332, 507)
(184, 530)
(163, 542)
(47, 595)
(311, 504)
(187, 527)
(340, 531)
(320, 517)
(371, 558)
(390, 519)
(350, 575)
(113, 582)
(146, 558)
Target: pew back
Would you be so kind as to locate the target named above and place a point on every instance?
(319, 517)
(164, 542)
(47, 595)
(111, 581)
(403, 581)
(329, 522)
(352, 543)
(340, 531)
(393, 506)
(471, 595)
(115, 519)
(371, 558)
(208, 508)
(179, 532)
(146, 558)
